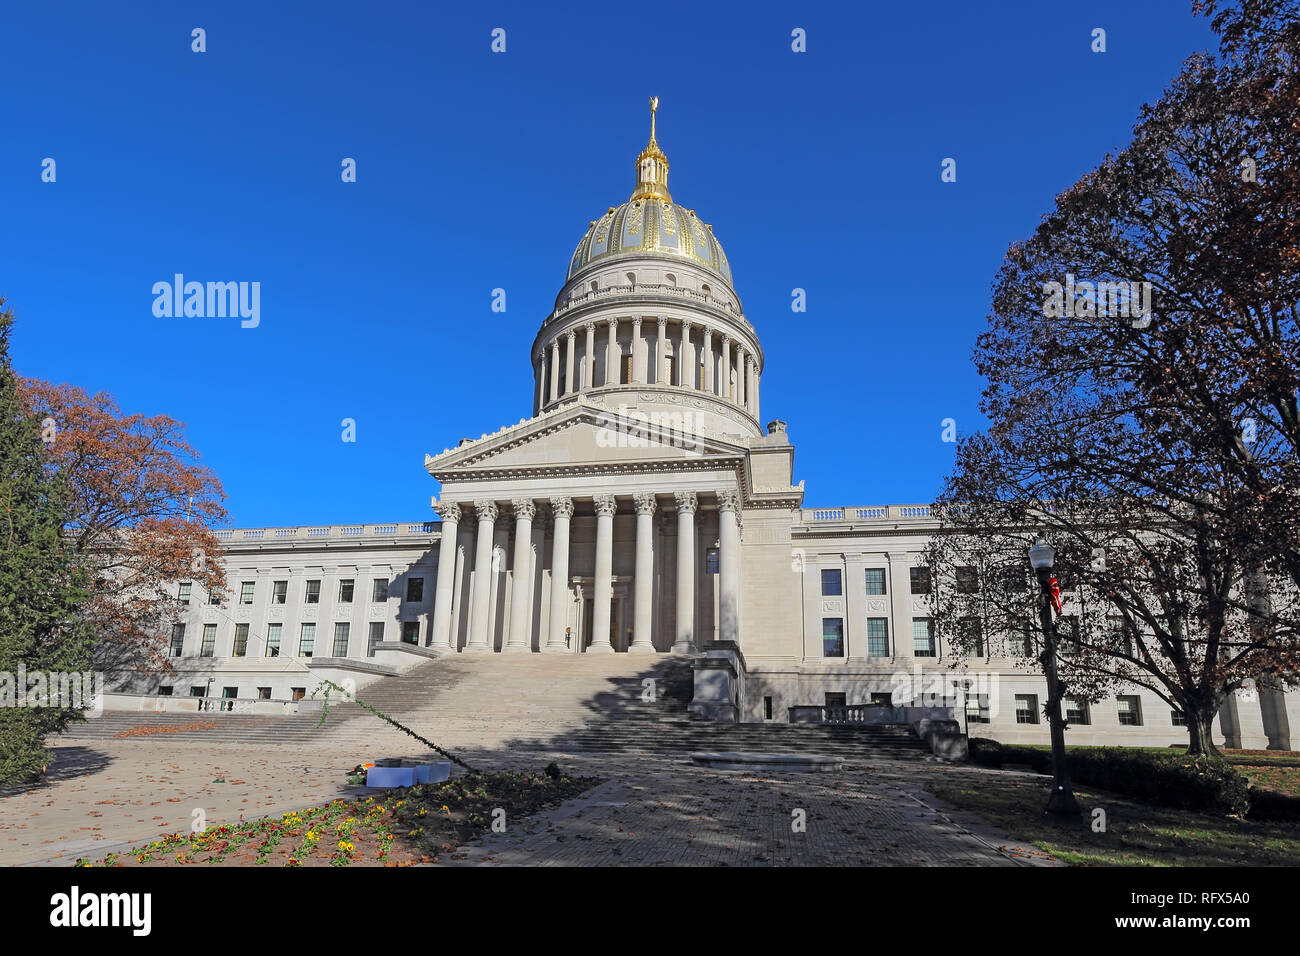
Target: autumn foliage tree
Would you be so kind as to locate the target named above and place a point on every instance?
(141, 512)
(1143, 361)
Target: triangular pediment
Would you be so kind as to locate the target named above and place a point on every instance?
(582, 434)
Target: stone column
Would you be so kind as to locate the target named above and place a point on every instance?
(685, 368)
(708, 360)
(661, 344)
(638, 353)
(740, 376)
(603, 590)
(729, 565)
(686, 504)
(611, 354)
(521, 591)
(749, 383)
(562, 511)
(571, 342)
(724, 368)
(541, 381)
(643, 582)
(589, 360)
(755, 400)
(480, 602)
(449, 511)
(555, 369)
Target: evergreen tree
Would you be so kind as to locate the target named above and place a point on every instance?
(43, 586)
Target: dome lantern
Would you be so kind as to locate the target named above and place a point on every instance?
(652, 165)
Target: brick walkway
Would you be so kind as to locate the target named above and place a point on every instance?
(648, 812)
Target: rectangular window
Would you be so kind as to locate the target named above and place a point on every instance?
(313, 592)
(977, 709)
(1178, 718)
(376, 637)
(884, 699)
(968, 581)
(241, 641)
(307, 640)
(1020, 640)
(279, 592)
(209, 640)
(414, 590)
(183, 592)
(379, 591)
(923, 637)
(214, 596)
(831, 584)
(875, 581)
(411, 632)
(971, 630)
(297, 693)
(246, 589)
(627, 370)
(837, 700)
(1076, 712)
(198, 690)
(1130, 711)
(920, 580)
(1121, 635)
(1014, 579)
(341, 639)
(711, 561)
(178, 640)
(1026, 708)
(1067, 635)
(230, 693)
(832, 637)
(345, 591)
(767, 708)
(877, 637)
(164, 691)
(264, 693)
(273, 640)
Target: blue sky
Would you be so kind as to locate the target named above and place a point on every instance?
(476, 170)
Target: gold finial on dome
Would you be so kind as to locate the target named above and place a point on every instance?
(652, 165)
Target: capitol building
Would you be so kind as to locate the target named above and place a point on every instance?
(643, 507)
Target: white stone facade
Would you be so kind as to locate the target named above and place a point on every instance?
(641, 509)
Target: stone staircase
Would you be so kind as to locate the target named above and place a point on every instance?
(532, 703)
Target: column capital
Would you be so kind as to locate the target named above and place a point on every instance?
(590, 326)
(687, 501)
(448, 510)
(645, 503)
(612, 323)
(555, 344)
(571, 333)
(562, 506)
(606, 505)
(707, 330)
(662, 322)
(524, 508)
(729, 500)
(636, 322)
(687, 324)
(487, 509)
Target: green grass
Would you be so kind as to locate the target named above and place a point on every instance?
(1238, 758)
(1135, 834)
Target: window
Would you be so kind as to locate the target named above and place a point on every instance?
(1020, 640)
(875, 580)
(376, 637)
(1178, 718)
(832, 637)
(246, 591)
(241, 641)
(923, 637)
(183, 592)
(1067, 635)
(920, 580)
(1130, 711)
(1026, 708)
(341, 639)
(971, 633)
(313, 592)
(831, 585)
(877, 637)
(1121, 635)
(345, 591)
(209, 640)
(882, 699)
(214, 596)
(415, 590)
(379, 591)
(273, 640)
(307, 640)
(297, 693)
(178, 640)
(411, 632)
(230, 693)
(767, 708)
(968, 581)
(836, 700)
(165, 691)
(279, 592)
(198, 690)
(627, 370)
(1014, 579)
(711, 561)
(264, 693)
(1076, 711)
(977, 709)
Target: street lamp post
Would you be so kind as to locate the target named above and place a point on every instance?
(1041, 558)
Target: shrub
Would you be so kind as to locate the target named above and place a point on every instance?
(1271, 805)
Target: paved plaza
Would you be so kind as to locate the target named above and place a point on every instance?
(649, 811)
